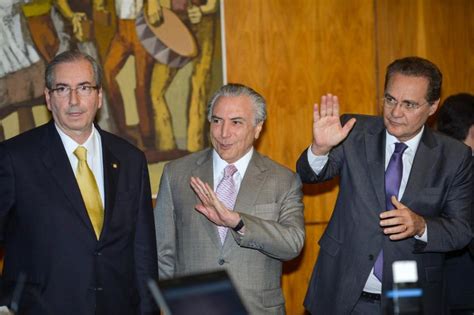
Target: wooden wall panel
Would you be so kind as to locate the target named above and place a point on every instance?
(293, 51)
(439, 30)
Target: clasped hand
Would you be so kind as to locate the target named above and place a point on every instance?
(401, 222)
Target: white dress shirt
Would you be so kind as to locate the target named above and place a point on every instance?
(317, 163)
(219, 165)
(93, 145)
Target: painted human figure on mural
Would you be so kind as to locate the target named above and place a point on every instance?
(199, 17)
(124, 44)
(38, 17)
(16, 51)
(65, 24)
(21, 68)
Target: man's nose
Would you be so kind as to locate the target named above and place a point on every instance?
(73, 96)
(397, 110)
(225, 131)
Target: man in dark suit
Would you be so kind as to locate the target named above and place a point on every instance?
(373, 223)
(76, 215)
(456, 119)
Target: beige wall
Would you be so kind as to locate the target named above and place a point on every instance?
(293, 51)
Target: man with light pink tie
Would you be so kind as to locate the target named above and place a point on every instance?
(249, 214)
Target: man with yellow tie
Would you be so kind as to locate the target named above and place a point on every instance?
(75, 207)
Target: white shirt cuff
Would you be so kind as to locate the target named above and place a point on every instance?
(423, 237)
(317, 162)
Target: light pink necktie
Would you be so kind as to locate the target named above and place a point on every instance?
(227, 193)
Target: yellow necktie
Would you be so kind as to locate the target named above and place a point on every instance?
(89, 190)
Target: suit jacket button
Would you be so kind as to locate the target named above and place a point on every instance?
(371, 257)
(221, 262)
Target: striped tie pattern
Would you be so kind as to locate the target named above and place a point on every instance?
(227, 193)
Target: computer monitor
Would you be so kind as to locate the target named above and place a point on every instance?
(211, 293)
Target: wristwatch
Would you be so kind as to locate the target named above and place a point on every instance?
(239, 226)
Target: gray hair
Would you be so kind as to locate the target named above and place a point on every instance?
(71, 56)
(234, 90)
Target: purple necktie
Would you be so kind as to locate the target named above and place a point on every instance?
(227, 193)
(393, 178)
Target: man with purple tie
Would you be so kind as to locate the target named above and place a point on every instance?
(405, 194)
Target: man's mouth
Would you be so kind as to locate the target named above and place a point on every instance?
(395, 123)
(225, 146)
(75, 113)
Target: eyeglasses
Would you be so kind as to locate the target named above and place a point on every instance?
(81, 90)
(390, 102)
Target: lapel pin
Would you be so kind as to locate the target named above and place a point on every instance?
(114, 165)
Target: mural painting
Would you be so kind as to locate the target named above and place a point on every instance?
(161, 59)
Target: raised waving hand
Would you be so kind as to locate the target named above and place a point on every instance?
(327, 129)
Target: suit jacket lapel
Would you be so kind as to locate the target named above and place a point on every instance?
(427, 150)
(204, 171)
(375, 149)
(56, 160)
(111, 174)
(251, 184)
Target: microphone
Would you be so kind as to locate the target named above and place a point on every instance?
(405, 296)
(17, 292)
(158, 296)
(20, 290)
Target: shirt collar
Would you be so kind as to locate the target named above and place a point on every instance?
(241, 164)
(412, 144)
(70, 145)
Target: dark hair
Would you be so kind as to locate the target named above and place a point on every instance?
(70, 56)
(418, 67)
(456, 115)
(235, 89)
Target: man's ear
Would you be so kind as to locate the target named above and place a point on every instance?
(47, 97)
(99, 94)
(258, 129)
(433, 107)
